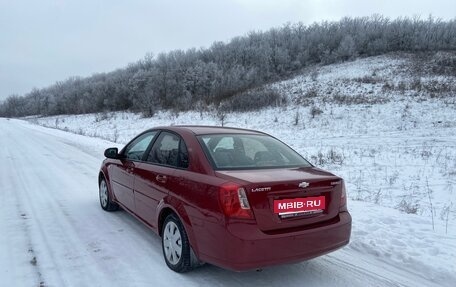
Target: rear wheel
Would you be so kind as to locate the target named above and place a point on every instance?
(176, 248)
(105, 199)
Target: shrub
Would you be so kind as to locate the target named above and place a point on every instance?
(368, 80)
(315, 111)
(341, 99)
(331, 157)
(296, 118)
(306, 99)
(253, 100)
(408, 206)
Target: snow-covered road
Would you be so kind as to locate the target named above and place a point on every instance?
(53, 232)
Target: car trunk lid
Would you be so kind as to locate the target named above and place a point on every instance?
(306, 185)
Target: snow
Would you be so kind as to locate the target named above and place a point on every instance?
(51, 213)
(394, 153)
(397, 155)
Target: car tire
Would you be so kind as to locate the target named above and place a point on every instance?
(175, 245)
(105, 198)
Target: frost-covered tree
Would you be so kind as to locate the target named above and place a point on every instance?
(347, 48)
(183, 80)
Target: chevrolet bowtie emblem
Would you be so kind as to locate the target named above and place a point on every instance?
(303, 184)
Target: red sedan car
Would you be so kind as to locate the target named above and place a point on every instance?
(235, 198)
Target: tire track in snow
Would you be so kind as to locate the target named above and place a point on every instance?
(63, 193)
(44, 207)
(33, 261)
(21, 214)
(37, 236)
(384, 274)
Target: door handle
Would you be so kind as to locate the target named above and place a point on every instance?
(161, 178)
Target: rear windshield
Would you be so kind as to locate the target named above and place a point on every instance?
(244, 151)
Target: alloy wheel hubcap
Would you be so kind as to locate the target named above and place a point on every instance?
(172, 243)
(103, 193)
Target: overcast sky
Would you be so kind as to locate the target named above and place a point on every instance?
(45, 41)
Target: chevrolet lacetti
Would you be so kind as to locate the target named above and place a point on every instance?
(239, 199)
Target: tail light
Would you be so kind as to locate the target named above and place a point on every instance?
(234, 202)
(343, 198)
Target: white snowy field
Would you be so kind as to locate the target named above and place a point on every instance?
(54, 233)
(394, 148)
(394, 145)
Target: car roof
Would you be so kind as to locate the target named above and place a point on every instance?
(204, 130)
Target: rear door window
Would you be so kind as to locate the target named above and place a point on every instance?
(169, 149)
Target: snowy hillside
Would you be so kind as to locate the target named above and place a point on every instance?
(390, 132)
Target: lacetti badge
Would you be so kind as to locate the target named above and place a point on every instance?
(303, 184)
(261, 189)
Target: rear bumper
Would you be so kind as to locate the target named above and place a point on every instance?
(243, 247)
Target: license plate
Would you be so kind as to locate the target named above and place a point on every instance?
(299, 205)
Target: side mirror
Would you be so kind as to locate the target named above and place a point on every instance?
(112, 152)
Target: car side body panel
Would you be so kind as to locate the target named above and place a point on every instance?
(152, 184)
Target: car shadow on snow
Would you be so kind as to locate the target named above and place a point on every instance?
(309, 272)
(314, 272)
